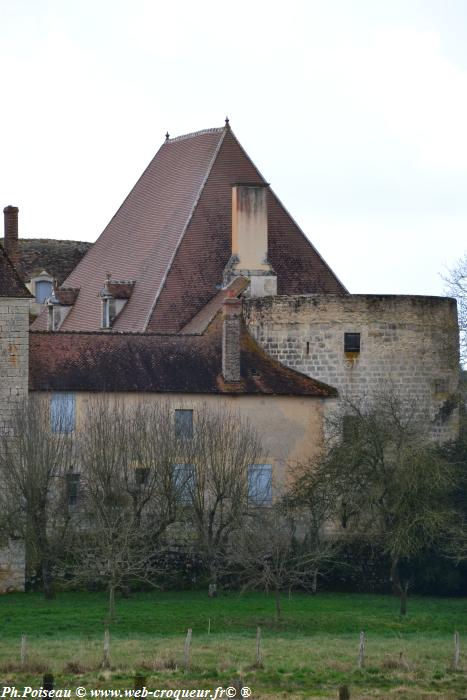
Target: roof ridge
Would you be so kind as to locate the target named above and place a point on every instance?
(112, 332)
(214, 130)
(223, 131)
(299, 228)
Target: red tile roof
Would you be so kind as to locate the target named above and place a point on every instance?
(80, 361)
(172, 235)
(11, 284)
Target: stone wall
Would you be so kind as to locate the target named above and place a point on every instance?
(14, 363)
(408, 344)
(12, 567)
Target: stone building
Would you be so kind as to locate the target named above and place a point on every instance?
(39, 261)
(14, 359)
(203, 289)
(365, 344)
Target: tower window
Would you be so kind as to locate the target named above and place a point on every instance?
(351, 342)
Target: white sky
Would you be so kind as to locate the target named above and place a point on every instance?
(354, 110)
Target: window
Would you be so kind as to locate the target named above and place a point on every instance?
(184, 481)
(351, 342)
(55, 317)
(260, 484)
(62, 413)
(141, 475)
(350, 428)
(184, 423)
(441, 386)
(43, 290)
(108, 311)
(72, 488)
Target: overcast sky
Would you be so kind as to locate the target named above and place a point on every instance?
(354, 110)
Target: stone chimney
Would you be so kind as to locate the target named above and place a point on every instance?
(250, 239)
(10, 241)
(232, 318)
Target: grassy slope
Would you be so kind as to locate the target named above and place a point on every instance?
(306, 655)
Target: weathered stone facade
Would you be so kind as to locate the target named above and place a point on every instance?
(14, 362)
(407, 342)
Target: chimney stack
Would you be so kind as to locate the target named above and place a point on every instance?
(231, 315)
(250, 226)
(10, 241)
(250, 239)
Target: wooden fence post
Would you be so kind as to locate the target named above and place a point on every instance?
(187, 650)
(106, 657)
(344, 692)
(24, 650)
(48, 684)
(140, 681)
(457, 651)
(259, 655)
(361, 650)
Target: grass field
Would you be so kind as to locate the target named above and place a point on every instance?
(307, 655)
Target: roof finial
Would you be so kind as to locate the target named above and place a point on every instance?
(227, 123)
(167, 136)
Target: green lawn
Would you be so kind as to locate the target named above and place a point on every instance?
(307, 655)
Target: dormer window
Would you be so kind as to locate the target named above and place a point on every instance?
(108, 305)
(59, 305)
(55, 314)
(43, 289)
(114, 296)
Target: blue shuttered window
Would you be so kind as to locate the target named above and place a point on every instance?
(62, 413)
(260, 484)
(43, 290)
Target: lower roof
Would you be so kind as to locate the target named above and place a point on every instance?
(161, 363)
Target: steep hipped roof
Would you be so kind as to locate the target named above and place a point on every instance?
(172, 235)
(80, 361)
(11, 284)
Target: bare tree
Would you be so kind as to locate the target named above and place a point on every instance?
(276, 552)
(391, 483)
(35, 458)
(313, 496)
(456, 286)
(128, 494)
(216, 493)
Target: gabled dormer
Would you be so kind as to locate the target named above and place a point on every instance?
(59, 305)
(114, 296)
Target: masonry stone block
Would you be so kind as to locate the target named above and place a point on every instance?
(406, 342)
(14, 363)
